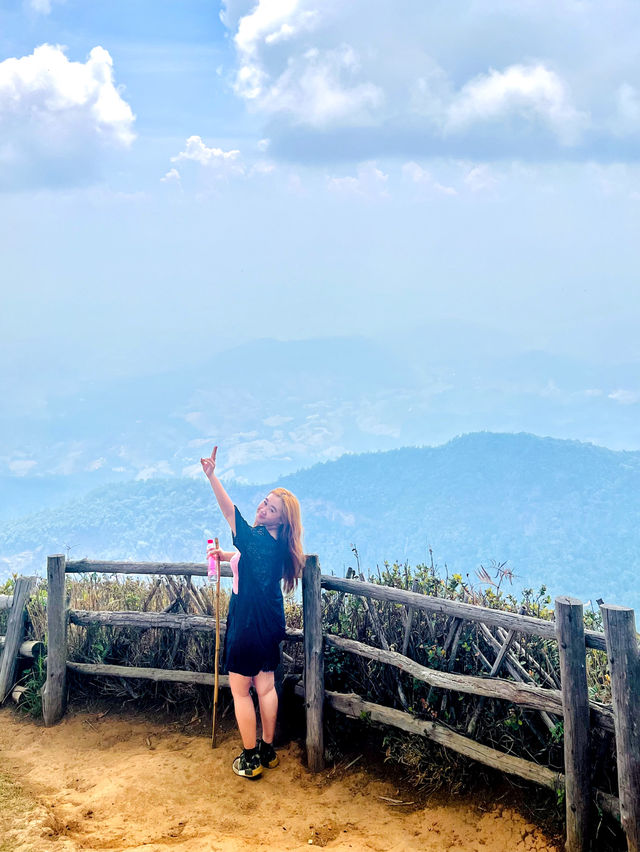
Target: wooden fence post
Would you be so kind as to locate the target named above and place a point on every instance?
(575, 704)
(54, 694)
(14, 637)
(313, 663)
(624, 667)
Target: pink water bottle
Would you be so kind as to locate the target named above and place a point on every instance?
(212, 571)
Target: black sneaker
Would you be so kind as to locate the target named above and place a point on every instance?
(268, 757)
(248, 764)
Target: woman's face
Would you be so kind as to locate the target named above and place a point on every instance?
(270, 512)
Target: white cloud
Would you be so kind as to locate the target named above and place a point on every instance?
(223, 162)
(172, 176)
(58, 115)
(370, 182)
(625, 397)
(517, 89)
(96, 464)
(480, 178)
(422, 177)
(269, 22)
(317, 89)
(21, 467)
(281, 71)
(415, 173)
(530, 92)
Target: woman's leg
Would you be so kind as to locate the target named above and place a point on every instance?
(244, 709)
(268, 700)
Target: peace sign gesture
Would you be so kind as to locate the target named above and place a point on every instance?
(209, 464)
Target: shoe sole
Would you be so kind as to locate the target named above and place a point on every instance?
(273, 763)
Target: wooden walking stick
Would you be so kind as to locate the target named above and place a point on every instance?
(217, 653)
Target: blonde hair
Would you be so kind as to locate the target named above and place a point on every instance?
(291, 534)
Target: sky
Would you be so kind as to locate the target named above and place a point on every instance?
(180, 176)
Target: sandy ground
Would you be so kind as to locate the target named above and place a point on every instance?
(105, 782)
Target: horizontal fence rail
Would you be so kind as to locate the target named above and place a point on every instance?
(146, 673)
(531, 697)
(468, 612)
(180, 569)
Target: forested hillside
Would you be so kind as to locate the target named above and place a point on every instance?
(559, 513)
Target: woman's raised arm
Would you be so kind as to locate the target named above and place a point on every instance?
(224, 501)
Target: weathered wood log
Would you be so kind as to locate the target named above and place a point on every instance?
(313, 663)
(601, 714)
(575, 701)
(15, 633)
(143, 620)
(549, 677)
(623, 655)
(526, 696)
(356, 708)
(155, 587)
(169, 675)
(180, 569)
(181, 598)
(408, 624)
(203, 603)
(469, 612)
(6, 601)
(377, 626)
(54, 694)
(495, 669)
(517, 672)
(149, 620)
(32, 650)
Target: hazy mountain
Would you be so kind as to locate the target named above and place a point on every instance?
(562, 513)
(275, 407)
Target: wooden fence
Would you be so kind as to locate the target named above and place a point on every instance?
(12, 646)
(570, 702)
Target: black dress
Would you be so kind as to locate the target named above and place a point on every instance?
(255, 624)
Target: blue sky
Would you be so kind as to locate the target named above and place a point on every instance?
(178, 176)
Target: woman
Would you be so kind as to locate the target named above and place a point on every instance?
(270, 551)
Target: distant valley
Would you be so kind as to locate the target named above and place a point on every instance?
(561, 513)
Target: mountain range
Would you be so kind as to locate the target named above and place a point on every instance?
(560, 513)
(275, 407)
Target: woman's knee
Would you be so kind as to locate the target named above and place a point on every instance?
(264, 683)
(240, 685)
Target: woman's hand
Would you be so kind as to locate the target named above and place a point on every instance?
(209, 464)
(216, 553)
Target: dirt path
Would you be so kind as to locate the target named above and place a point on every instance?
(100, 782)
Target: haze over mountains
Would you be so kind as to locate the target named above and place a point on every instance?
(275, 407)
(560, 512)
